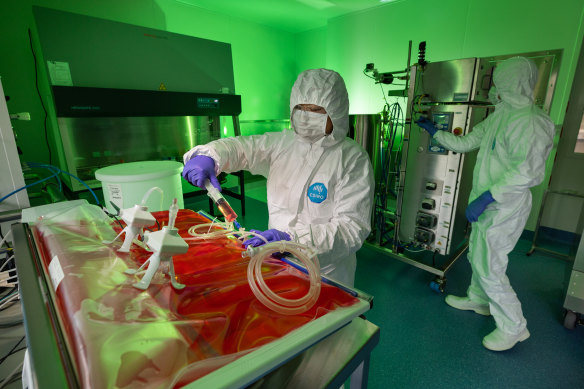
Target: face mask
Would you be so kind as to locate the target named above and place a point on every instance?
(309, 125)
(494, 96)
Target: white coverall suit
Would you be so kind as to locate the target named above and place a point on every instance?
(514, 144)
(321, 192)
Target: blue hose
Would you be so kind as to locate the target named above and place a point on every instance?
(27, 186)
(51, 168)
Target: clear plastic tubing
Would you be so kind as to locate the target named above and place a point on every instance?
(272, 300)
(220, 201)
(147, 194)
(257, 255)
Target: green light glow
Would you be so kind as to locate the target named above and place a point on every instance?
(191, 140)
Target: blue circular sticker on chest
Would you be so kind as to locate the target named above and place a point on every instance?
(317, 192)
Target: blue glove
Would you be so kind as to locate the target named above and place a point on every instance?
(427, 125)
(478, 205)
(271, 235)
(199, 169)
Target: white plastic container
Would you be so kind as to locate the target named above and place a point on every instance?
(125, 184)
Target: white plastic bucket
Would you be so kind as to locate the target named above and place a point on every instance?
(126, 184)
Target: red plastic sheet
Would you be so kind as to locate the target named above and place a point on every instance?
(120, 336)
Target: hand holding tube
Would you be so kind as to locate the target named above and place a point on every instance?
(272, 235)
(220, 201)
(199, 169)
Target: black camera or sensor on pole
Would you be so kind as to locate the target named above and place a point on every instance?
(380, 78)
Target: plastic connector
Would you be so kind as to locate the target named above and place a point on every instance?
(172, 212)
(164, 243)
(249, 252)
(136, 218)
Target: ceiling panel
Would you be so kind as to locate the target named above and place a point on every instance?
(288, 15)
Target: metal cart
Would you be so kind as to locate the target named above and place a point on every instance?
(574, 302)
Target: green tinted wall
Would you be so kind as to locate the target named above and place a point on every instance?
(452, 29)
(267, 60)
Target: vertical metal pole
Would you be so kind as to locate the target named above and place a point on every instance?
(404, 158)
(237, 132)
(236, 129)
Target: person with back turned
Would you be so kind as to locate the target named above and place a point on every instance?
(514, 143)
(319, 182)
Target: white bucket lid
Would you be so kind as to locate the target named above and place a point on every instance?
(138, 171)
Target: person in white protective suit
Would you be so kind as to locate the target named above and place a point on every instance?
(514, 143)
(319, 182)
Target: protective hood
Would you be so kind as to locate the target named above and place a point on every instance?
(515, 80)
(325, 88)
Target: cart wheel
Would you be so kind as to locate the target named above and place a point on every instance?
(570, 319)
(438, 285)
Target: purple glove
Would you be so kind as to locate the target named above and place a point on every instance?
(478, 205)
(427, 125)
(271, 235)
(199, 169)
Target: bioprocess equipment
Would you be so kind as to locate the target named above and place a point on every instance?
(207, 312)
(422, 189)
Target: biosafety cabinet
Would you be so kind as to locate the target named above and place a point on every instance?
(126, 93)
(432, 185)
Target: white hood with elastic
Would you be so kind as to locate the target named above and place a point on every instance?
(324, 88)
(515, 80)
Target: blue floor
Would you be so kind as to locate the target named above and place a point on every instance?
(426, 344)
